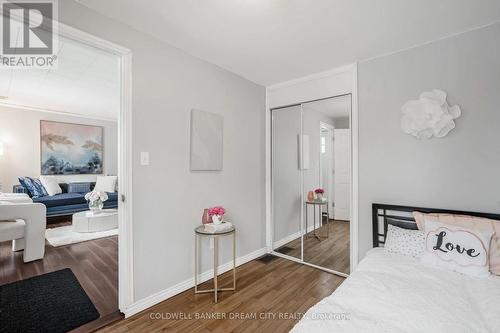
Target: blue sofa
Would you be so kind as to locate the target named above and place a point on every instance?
(71, 201)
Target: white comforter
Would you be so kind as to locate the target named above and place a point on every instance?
(393, 293)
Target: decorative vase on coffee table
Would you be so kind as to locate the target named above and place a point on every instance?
(96, 206)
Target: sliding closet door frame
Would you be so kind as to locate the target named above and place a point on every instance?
(299, 162)
(301, 260)
(334, 82)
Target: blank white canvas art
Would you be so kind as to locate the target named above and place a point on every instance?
(206, 141)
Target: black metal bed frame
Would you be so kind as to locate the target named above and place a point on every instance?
(401, 216)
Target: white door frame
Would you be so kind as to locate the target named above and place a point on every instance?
(352, 72)
(125, 244)
(349, 157)
(329, 186)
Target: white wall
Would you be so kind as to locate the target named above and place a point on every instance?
(168, 199)
(20, 133)
(327, 84)
(460, 171)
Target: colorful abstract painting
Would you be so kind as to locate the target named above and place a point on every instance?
(69, 149)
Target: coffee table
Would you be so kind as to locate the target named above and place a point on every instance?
(89, 221)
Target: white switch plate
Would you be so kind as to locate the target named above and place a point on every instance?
(144, 158)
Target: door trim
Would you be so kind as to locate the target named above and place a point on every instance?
(125, 234)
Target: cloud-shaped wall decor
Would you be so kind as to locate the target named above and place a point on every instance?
(429, 116)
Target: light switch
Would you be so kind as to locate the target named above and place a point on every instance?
(144, 158)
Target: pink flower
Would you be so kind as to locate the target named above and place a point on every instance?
(319, 191)
(217, 210)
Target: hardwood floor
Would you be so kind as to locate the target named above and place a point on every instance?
(332, 252)
(94, 263)
(271, 295)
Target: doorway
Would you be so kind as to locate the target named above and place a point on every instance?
(107, 276)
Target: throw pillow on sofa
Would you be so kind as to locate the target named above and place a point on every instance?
(51, 185)
(106, 183)
(34, 187)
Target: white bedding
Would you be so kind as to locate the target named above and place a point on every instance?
(393, 293)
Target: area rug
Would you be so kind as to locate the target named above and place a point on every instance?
(65, 235)
(53, 302)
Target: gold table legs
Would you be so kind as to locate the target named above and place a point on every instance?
(216, 288)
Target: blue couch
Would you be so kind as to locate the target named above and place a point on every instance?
(71, 201)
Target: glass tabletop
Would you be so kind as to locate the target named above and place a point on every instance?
(201, 230)
(316, 202)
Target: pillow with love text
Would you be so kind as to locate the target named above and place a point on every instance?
(457, 248)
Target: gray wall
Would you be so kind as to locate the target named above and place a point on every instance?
(168, 199)
(20, 133)
(460, 171)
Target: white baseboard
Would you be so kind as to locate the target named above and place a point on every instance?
(288, 239)
(160, 296)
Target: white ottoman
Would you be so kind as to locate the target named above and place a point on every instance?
(87, 221)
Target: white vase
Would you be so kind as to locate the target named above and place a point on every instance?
(216, 219)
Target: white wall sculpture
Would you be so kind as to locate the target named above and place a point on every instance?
(429, 116)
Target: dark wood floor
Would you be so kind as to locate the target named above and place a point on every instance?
(265, 288)
(94, 263)
(332, 252)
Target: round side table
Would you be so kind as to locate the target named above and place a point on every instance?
(200, 232)
(320, 205)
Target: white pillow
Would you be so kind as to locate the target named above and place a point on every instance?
(106, 183)
(51, 185)
(410, 243)
(457, 248)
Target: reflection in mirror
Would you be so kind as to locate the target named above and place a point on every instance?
(286, 181)
(327, 183)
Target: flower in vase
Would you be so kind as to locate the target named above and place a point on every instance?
(216, 214)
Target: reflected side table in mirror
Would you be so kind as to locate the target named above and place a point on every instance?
(317, 206)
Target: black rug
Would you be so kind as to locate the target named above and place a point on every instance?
(52, 302)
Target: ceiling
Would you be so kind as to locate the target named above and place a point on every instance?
(336, 107)
(271, 41)
(86, 82)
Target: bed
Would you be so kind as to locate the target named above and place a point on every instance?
(394, 293)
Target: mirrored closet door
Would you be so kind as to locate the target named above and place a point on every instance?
(311, 174)
(287, 181)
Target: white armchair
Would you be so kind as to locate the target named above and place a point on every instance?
(26, 228)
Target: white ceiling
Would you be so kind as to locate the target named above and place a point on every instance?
(336, 107)
(86, 82)
(270, 41)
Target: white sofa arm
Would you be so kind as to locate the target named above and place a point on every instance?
(34, 216)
